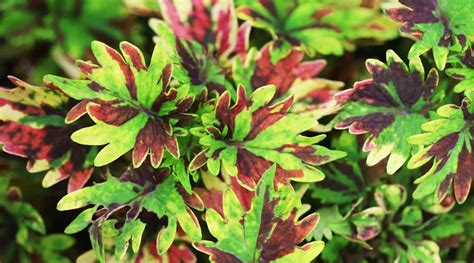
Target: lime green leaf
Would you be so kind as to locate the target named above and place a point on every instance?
(131, 103)
(144, 188)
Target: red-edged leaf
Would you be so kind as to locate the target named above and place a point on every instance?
(252, 135)
(213, 24)
(313, 97)
(137, 190)
(212, 194)
(33, 127)
(269, 231)
(130, 102)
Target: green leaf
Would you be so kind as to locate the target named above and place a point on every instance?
(411, 216)
(331, 221)
(269, 231)
(131, 103)
(253, 135)
(145, 188)
(76, 26)
(368, 222)
(57, 242)
(390, 197)
(131, 230)
(166, 236)
(462, 70)
(344, 182)
(81, 221)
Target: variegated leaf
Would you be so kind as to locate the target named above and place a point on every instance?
(440, 25)
(313, 96)
(447, 141)
(251, 136)
(33, 127)
(135, 191)
(213, 24)
(269, 231)
(391, 107)
(131, 103)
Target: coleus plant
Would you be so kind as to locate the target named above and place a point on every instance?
(291, 76)
(136, 190)
(326, 27)
(213, 24)
(447, 140)
(442, 26)
(207, 38)
(33, 127)
(239, 138)
(391, 106)
(133, 110)
(391, 227)
(268, 231)
(360, 213)
(209, 145)
(139, 111)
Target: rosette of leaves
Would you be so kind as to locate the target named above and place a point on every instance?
(292, 77)
(33, 127)
(463, 70)
(212, 24)
(269, 231)
(438, 25)
(251, 136)
(193, 63)
(361, 222)
(409, 236)
(447, 141)
(132, 104)
(153, 190)
(326, 27)
(206, 38)
(30, 242)
(392, 226)
(391, 106)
